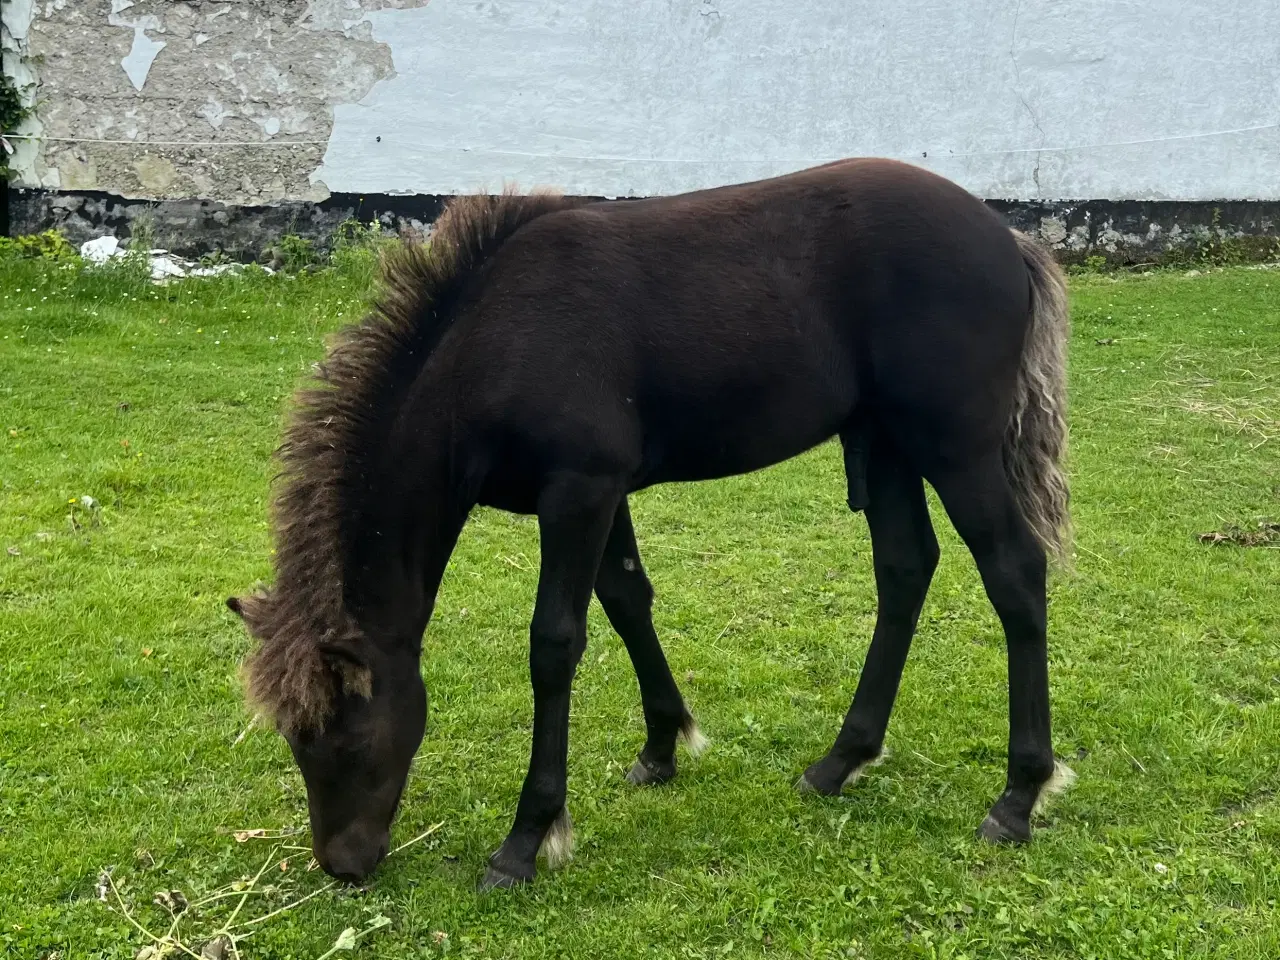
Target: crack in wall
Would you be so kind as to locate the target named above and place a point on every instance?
(1022, 97)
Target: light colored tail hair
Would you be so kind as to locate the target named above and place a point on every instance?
(1035, 443)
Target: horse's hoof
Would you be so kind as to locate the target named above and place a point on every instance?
(816, 780)
(648, 774)
(997, 832)
(805, 785)
(495, 879)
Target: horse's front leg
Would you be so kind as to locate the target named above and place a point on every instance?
(575, 513)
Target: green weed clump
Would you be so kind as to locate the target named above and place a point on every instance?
(50, 246)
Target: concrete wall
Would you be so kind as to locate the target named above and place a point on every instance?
(263, 101)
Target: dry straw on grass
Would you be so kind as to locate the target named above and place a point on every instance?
(223, 941)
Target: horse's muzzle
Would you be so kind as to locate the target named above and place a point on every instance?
(349, 858)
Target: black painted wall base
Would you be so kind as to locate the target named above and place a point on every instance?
(1124, 231)
(196, 227)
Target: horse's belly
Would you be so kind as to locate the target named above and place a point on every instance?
(706, 445)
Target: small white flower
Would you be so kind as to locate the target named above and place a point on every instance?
(1161, 869)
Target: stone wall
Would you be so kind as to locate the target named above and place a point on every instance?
(1123, 232)
(1114, 128)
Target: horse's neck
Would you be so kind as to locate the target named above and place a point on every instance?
(402, 545)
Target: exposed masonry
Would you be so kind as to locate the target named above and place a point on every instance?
(213, 70)
(1126, 231)
(1131, 231)
(197, 227)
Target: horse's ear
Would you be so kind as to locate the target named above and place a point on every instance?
(248, 608)
(351, 665)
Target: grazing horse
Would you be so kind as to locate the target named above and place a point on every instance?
(549, 356)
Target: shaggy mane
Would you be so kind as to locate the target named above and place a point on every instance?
(340, 418)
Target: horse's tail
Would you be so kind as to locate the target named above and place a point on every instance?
(1035, 442)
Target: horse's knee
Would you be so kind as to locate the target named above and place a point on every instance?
(554, 651)
(915, 569)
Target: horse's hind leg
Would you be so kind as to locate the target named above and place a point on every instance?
(627, 598)
(1012, 564)
(575, 514)
(905, 555)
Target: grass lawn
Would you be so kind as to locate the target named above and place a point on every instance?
(122, 732)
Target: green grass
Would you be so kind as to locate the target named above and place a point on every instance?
(120, 709)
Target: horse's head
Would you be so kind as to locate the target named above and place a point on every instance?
(354, 714)
(356, 764)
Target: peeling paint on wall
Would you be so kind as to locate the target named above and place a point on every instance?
(207, 72)
(15, 31)
(292, 99)
(137, 63)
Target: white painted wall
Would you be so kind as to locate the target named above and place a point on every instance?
(1017, 99)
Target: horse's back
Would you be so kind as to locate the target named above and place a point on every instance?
(719, 331)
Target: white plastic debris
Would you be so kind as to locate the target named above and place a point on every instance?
(100, 250)
(164, 265)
